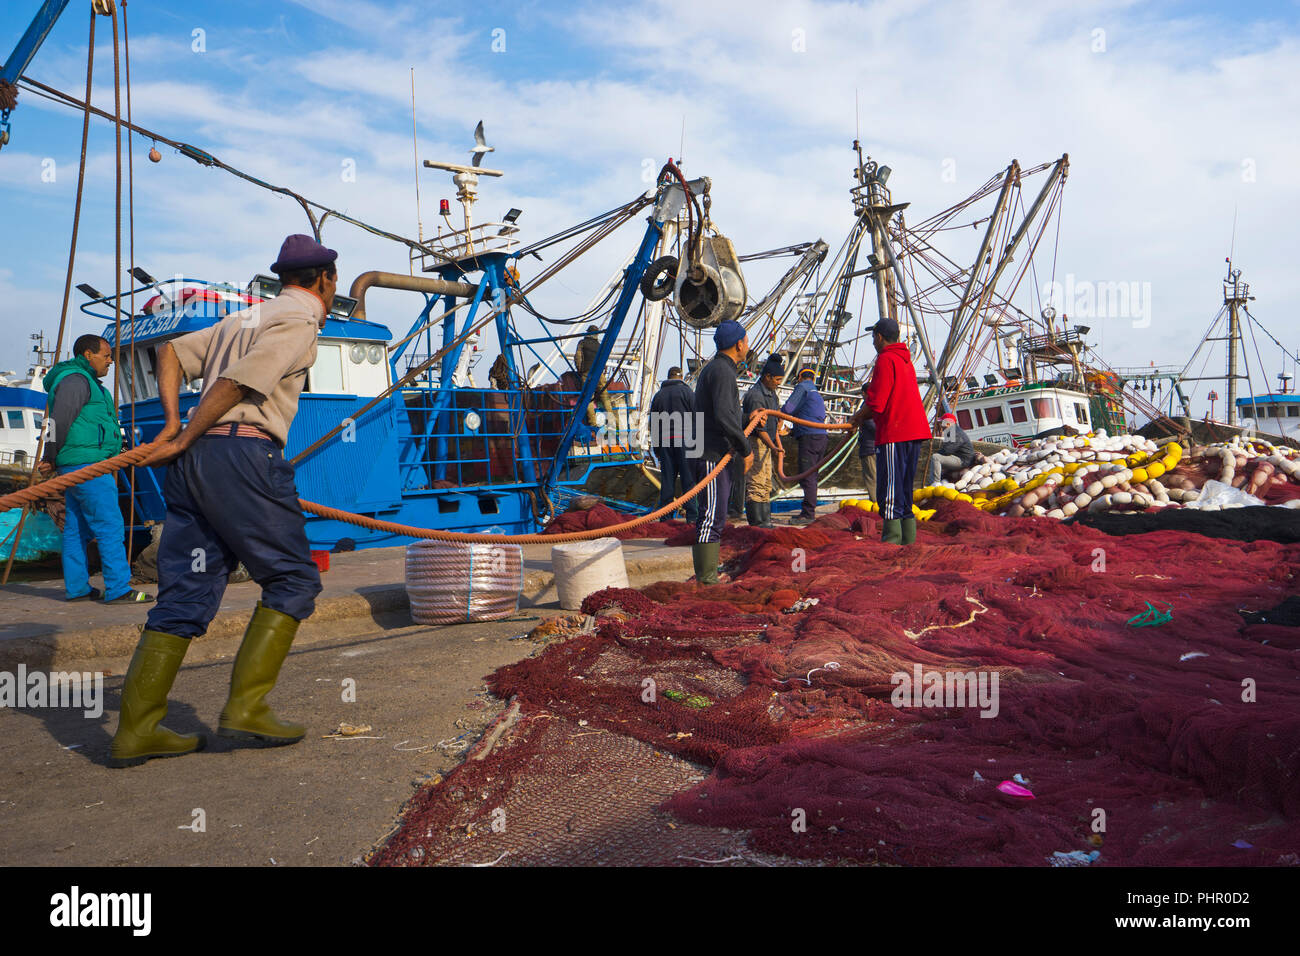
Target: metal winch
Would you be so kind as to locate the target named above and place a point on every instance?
(711, 288)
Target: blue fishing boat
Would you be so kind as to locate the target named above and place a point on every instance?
(396, 430)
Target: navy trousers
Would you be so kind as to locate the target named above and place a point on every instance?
(736, 479)
(231, 500)
(895, 474)
(673, 464)
(812, 449)
(713, 502)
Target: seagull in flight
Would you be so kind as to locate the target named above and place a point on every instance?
(480, 144)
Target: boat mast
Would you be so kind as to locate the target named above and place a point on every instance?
(1235, 295)
(872, 179)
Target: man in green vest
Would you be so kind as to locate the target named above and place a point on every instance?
(83, 429)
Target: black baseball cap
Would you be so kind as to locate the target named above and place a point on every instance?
(887, 328)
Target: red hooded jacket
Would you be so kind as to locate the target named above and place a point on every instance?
(895, 399)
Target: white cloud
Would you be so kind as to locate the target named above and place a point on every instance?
(1158, 127)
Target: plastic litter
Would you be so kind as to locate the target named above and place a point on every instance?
(1015, 790)
(800, 605)
(1216, 496)
(1155, 615)
(1073, 858)
(698, 701)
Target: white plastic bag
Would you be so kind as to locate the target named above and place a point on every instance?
(1216, 496)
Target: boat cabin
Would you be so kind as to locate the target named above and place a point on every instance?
(351, 354)
(22, 416)
(1009, 414)
(1276, 414)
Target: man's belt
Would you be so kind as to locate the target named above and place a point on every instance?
(241, 430)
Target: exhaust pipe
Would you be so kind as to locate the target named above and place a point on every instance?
(395, 280)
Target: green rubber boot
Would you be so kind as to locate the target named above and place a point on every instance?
(893, 533)
(909, 529)
(765, 514)
(246, 715)
(705, 557)
(754, 514)
(140, 736)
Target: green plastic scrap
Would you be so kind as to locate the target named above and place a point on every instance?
(1153, 616)
(697, 701)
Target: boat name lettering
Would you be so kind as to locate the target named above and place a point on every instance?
(148, 327)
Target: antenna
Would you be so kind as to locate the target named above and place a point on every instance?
(681, 147)
(466, 180)
(857, 119)
(1233, 244)
(415, 152)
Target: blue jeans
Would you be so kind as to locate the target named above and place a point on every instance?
(231, 500)
(93, 513)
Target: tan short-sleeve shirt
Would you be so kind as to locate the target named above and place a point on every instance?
(268, 348)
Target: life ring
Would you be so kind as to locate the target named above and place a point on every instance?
(659, 279)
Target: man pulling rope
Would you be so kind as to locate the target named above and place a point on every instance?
(231, 497)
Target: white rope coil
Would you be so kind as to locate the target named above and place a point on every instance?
(451, 583)
(585, 567)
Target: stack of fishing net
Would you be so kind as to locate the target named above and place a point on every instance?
(1150, 738)
(603, 516)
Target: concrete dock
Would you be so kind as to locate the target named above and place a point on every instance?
(324, 801)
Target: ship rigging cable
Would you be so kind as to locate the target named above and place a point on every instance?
(67, 285)
(207, 159)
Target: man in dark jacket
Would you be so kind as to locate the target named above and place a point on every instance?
(718, 402)
(84, 429)
(806, 402)
(866, 424)
(955, 454)
(901, 426)
(675, 439)
(758, 489)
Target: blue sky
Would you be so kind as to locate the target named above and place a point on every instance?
(1185, 116)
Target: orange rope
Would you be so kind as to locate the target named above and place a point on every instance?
(792, 479)
(61, 483)
(411, 531)
(57, 485)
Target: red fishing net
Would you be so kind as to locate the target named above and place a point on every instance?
(603, 516)
(1172, 743)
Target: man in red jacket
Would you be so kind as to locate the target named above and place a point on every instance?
(901, 426)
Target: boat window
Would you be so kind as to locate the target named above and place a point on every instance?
(979, 418)
(1081, 413)
(1018, 413)
(993, 415)
(38, 420)
(1293, 411)
(327, 373)
(1044, 408)
(963, 419)
(125, 377)
(144, 361)
(15, 418)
